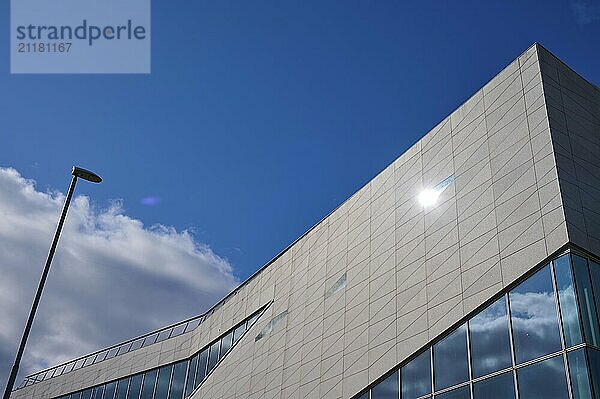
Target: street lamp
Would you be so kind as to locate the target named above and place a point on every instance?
(76, 172)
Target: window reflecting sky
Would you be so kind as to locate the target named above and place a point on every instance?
(567, 300)
(213, 356)
(578, 372)
(450, 364)
(587, 305)
(122, 388)
(416, 376)
(135, 386)
(148, 386)
(201, 370)
(459, 393)
(178, 380)
(594, 361)
(386, 389)
(595, 275)
(226, 343)
(162, 386)
(191, 375)
(543, 380)
(499, 387)
(534, 320)
(490, 342)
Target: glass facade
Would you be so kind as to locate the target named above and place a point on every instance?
(537, 340)
(450, 364)
(416, 376)
(490, 339)
(117, 350)
(171, 381)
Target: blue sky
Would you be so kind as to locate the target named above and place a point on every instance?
(261, 117)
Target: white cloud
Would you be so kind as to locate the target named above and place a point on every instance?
(112, 278)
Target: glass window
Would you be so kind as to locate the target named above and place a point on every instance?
(58, 371)
(226, 344)
(76, 395)
(595, 274)
(69, 367)
(162, 386)
(545, 379)
(189, 385)
(109, 391)
(87, 394)
(178, 330)
(78, 364)
(239, 331)
(123, 349)
(490, 341)
(122, 386)
(148, 385)
(178, 380)
(450, 365)
(135, 387)
(533, 316)
(252, 320)
(100, 356)
(149, 340)
(364, 395)
(201, 371)
(137, 344)
(191, 325)
(213, 357)
(499, 387)
(594, 359)
(567, 300)
(386, 389)
(587, 307)
(164, 335)
(111, 353)
(98, 392)
(578, 372)
(339, 285)
(416, 376)
(268, 329)
(459, 393)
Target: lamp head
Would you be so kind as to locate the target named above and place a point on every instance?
(86, 175)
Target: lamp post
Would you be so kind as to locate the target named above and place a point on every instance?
(76, 172)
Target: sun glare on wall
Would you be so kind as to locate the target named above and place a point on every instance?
(429, 196)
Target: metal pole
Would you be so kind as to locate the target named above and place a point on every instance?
(38, 294)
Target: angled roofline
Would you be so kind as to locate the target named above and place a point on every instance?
(218, 304)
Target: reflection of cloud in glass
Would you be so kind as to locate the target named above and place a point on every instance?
(150, 200)
(387, 388)
(543, 380)
(416, 376)
(489, 339)
(566, 298)
(535, 326)
(570, 317)
(450, 363)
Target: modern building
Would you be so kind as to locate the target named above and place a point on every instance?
(468, 268)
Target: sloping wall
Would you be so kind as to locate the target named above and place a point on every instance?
(411, 272)
(574, 113)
